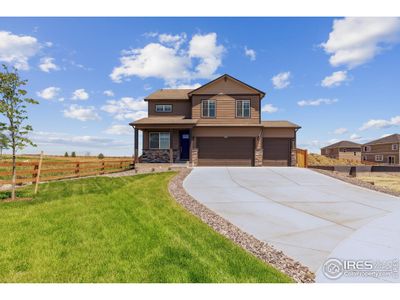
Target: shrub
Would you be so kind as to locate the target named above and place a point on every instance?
(100, 156)
(73, 154)
(66, 154)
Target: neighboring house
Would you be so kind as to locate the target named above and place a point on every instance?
(216, 124)
(382, 151)
(343, 150)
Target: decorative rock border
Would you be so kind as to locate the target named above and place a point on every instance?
(262, 250)
(355, 181)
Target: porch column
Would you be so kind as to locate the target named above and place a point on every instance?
(259, 151)
(194, 152)
(136, 144)
(171, 142)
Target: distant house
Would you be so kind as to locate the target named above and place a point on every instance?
(382, 151)
(343, 150)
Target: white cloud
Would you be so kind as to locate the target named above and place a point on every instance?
(118, 129)
(269, 108)
(336, 79)
(47, 64)
(250, 53)
(170, 61)
(355, 137)
(281, 80)
(63, 139)
(184, 86)
(81, 113)
(317, 102)
(205, 48)
(127, 108)
(355, 41)
(381, 123)
(341, 130)
(80, 94)
(154, 60)
(18, 49)
(172, 40)
(49, 93)
(109, 93)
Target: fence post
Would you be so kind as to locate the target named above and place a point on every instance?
(39, 168)
(77, 166)
(102, 167)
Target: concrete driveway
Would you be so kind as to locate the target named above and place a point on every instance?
(309, 216)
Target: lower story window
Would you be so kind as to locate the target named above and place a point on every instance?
(378, 157)
(159, 140)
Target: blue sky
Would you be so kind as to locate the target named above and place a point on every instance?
(336, 77)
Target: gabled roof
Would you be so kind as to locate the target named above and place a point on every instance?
(262, 94)
(343, 144)
(169, 94)
(163, 120)
(394, 138)
(279, 124)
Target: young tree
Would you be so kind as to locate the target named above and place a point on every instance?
(73, 154)
(3, 142)
(66, 154)
(13, 105)
(100, 156)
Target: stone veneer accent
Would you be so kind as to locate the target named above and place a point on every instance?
(293, 160)
(157, 156)
(195, 157)
(258, 157)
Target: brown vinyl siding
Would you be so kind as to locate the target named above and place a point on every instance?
(217, 151)
(276, 151)
(380, 149)
(179, 108)
(226, 109)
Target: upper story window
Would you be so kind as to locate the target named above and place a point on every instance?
(163, 107)
(208, 108)
(159, 140)
(395, 146)
(243, 108)
(367, 148)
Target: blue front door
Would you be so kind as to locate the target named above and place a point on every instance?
(184, 141)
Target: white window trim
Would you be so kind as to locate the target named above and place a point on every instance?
(243, 101)
(394, 159)
(380, 156)
(169, 144)
(367, 148)
(208, 108)
(163, 106)
(395, 147)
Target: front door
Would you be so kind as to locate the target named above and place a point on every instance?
(391, 160)
(184, 141)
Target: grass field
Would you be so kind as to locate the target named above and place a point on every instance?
(125, 229)
(390, 181)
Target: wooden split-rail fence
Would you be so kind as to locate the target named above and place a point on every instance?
(41, 171)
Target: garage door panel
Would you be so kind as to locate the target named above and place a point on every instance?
(276, 151)
(219, 151)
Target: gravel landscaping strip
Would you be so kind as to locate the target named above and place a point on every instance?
(355, 181)
(260, 249)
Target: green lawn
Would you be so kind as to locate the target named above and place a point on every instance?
(125, 229)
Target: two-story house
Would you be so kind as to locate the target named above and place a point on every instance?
(216, 124)
(343, 150)
(385, 150)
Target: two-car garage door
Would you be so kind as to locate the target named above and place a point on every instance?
(239, 151)
(230, 151)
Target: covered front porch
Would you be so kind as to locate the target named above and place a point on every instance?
(164, 143)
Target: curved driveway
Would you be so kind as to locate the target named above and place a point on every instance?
(307, 215)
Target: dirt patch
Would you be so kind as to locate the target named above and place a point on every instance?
(262, 250)
(363, 182)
